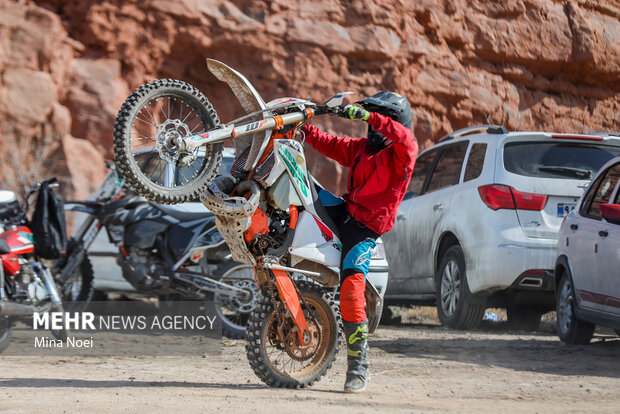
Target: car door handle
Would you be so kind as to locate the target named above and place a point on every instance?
(574, 226)
(401, 217)
(603, 233)
(439, 206)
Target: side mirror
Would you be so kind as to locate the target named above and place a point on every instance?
(611, 213)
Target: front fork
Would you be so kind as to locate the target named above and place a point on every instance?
(288, 294)
(50, 285)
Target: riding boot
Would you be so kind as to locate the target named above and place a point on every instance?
(358, 373)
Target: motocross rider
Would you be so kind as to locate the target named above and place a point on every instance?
(380, 170)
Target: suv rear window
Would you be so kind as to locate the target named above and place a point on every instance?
(557, 159)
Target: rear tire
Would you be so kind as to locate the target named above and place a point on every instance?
(570, 329)
(454, 305)
(78, 290)
(134, 124)
(6, 331)
(523, 319)
(62, 333)
(263, 340)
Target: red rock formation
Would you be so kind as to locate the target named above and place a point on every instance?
(527, 64)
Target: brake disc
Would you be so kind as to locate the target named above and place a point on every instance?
(166, 143)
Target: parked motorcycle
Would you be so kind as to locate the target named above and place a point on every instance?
(162, 252)
(270, 214)
(26, 283)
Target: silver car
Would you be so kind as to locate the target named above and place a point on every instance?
(478, 227)
(587, 269)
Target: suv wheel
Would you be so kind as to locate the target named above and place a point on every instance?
(523, 319)
(454, 305)
(570, 329)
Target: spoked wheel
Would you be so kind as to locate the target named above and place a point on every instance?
(145, 149)
(274, 350)
(235, 312)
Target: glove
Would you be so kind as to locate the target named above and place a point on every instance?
(354, 112)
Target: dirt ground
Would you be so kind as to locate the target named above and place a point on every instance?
(417, 366)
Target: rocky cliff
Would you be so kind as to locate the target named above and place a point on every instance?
(67, 65)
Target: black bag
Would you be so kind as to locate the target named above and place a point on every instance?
(48, 223)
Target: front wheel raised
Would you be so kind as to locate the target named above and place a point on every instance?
(454, 305)
(145, 149)
(274, 350)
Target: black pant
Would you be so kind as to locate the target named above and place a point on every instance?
(357, 241)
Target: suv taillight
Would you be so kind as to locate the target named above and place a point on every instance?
(498, 196)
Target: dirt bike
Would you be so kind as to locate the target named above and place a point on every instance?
(26, 282)
(270, 214)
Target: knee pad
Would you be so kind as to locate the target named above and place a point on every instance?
(358, 258)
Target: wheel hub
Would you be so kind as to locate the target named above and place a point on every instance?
(296, 350)
(450, 288)
(242, 304)
(284, 336)
(166, 143)
(565, 308)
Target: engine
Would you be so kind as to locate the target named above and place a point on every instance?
(143, 269)
(273, 236)
(26, 285)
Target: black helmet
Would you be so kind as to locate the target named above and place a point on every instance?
(389, 104)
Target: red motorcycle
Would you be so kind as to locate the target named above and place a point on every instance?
(26, 283)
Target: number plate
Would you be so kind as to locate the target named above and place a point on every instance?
(565, 208)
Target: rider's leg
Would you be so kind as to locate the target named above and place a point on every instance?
(352, 305)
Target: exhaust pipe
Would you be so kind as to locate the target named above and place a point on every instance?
(17, 309)
(532, 282)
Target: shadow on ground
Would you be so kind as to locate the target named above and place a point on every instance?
(81, 383)
(520, 351)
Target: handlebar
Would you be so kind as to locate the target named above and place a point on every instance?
(333, 106)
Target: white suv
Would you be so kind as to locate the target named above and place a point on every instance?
(479, 225)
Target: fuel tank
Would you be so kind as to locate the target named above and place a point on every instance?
(19, 239)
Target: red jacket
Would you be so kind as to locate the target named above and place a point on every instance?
(377, 182)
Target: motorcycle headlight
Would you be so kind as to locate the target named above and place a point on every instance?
(378, 253)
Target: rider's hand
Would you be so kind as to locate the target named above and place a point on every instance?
(354, 112)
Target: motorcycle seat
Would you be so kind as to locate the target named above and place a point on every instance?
(320, 209)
